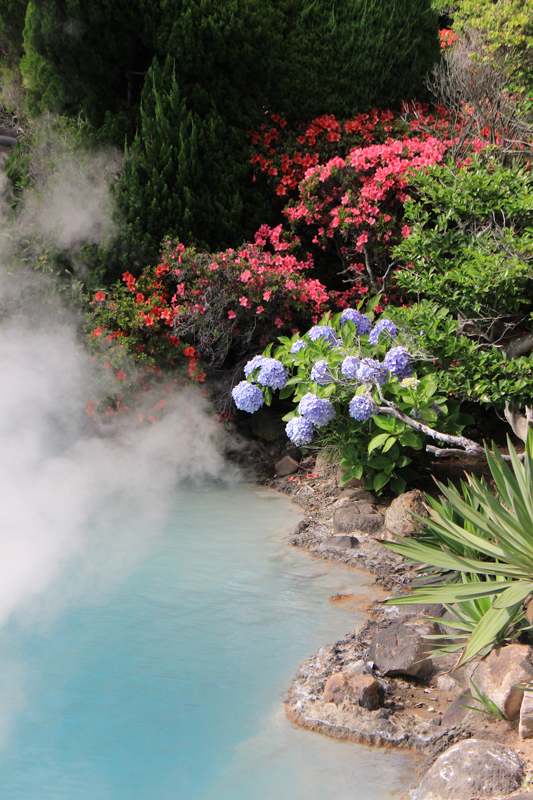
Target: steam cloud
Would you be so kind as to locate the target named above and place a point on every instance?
(65, 488)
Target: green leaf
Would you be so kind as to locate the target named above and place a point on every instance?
(411, 439)
(377, 441)
(287, 391)
(397, 484)
(388, 444)
(380, 480)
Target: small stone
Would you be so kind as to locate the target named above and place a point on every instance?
(447, 684)
(398, 519)
(525, 728)
(286, 466)
(360, 689)
(357, 516)
(343, 541)
(469, 769)
(356, 667)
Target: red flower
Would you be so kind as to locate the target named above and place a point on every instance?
(99, 296)
(97, 332)
(190, 352)
(121, 375)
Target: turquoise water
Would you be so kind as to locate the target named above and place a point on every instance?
(164, 679)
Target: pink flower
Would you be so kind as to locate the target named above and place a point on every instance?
(232, 314)
(267, 295)
(260, 310)
(406, 230)
(244, 302)
(278, 323)
(246, 275)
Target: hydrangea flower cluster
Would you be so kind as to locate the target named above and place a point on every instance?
(254, 363)
(298, 345)
(300, 431)
(349, 367)
(323, 332)
(361, 408)
(273, 374)
(380, 326)
(247, 397)
(321, 374)
(398, 362)
(319, 412)
(361, 322)
(371, 371)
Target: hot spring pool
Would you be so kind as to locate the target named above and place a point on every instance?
(164, 680)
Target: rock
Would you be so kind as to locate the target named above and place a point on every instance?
(286, 466)
(500, 671)
(469, 769)
(401, 649)
(398, 520)
(525, 729)
(354, 483)
(456, 714)
(357, 495)
(445, 683)
(266, 427)
(335, 689)
(342, 540)
(357, 516)
(360, 689)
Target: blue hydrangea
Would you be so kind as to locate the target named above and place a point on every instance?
(398, 362)
(298, 345)
(361, 322)
(370, 371)
(272, 374)
(257, 361)
(380, 326)
(316, 410)
(300, 431)
(323, 332)
(361, 408)
(247, 397)
(349, 367)
(415, 413)
(321, 374)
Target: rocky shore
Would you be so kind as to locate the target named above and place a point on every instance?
(379, 684)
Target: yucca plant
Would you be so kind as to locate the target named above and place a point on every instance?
(487, 537)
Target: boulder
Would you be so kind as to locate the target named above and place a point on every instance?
(525, 728)
(401, 649)
(357, 516)
(342, 540)
(364, 690)
(469, 769)
(498, 674)
(445, 683)
(398, 520)
(286, 466)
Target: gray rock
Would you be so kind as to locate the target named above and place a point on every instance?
(357, 516)
(401, 649)
(342, 540)
(286, 466)
(525, 728)
(498, 674)
(357, 495)
(398, 520)
(456, 714)
(469, 769)
(445, 683)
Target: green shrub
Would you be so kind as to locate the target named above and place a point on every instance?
(487, 536)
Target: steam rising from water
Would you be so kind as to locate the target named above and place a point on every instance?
(58, 475)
